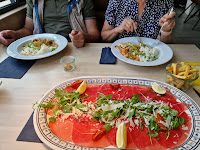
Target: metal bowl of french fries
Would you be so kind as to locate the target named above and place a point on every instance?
(181, 75)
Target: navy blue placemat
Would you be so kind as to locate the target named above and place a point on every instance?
(107, 56)
(28, 133)
(14, 68)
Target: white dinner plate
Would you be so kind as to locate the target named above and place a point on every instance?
(50, 139)
(15, 48)
(165, 52)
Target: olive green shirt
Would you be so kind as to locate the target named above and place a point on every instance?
(55, 15)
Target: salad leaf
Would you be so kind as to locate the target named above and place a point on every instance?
(52, 119)
(56, 112)
(104, 97)
(132, 113)
(155, 134)
(116, 113)
(107, 127)
(141, 125)
(143, 45)
(135, 99)
(175, 123)
(96, 116)
(67, 108)
(48, 105)
(181, 121)
(60, 93)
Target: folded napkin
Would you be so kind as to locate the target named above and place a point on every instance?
(28, 133)
(107, 56)
(14, 68)
(196, 83)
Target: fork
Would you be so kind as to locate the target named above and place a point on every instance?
(137, 36)
(158, 37)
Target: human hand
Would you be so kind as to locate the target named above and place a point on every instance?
(170, 22)
(77, 38)
(127, 25)
(7, 37)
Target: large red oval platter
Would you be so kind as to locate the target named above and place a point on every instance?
(77, 133)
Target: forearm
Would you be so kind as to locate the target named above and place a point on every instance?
(26, 30)
(92, 34)
(109, 35)
(22, 32)
(91, 37)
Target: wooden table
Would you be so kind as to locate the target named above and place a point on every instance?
(18, 95)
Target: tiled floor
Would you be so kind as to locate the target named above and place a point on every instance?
(183, 32)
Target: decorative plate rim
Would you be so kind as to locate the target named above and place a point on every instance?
(47, 137)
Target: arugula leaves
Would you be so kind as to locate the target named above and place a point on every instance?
(135, 99)
(67, 108)
(52, 119)
(107, 127)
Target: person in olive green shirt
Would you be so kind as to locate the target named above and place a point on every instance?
(55, 20)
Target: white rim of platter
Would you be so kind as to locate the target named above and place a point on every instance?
(54, 142)
(165, 52)
(15, 48)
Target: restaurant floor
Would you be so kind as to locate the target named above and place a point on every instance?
(183, 33)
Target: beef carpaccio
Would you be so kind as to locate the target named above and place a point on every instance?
(153, 121)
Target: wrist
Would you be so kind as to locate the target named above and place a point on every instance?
(166, 32)
(117, 30)
(16, 35)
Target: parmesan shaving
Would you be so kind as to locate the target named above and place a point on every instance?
(111, 107)
(184, 127)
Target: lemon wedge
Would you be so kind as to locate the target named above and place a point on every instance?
(158, 89)
(121, 137)
(82, 87)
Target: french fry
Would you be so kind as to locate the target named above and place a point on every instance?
(181, 69)
(182, 64)
(174, 66)
(181, 75)
(169, 78)
(170, 69)
(187, 70)
(193, 70)
(180, 84)
(190, 76)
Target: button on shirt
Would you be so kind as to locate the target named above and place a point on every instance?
(148, 25)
